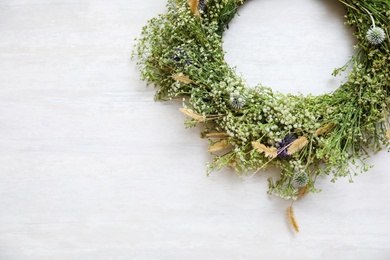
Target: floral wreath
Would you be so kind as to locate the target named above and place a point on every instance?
(249, 129)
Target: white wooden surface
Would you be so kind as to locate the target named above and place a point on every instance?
(92, 168)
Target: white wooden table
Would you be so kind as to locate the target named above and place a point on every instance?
(92, 168)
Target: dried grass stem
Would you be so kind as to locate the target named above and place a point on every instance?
(297, 145)
(271, 152)
(192, 114)
(218, 146)
(291, 219)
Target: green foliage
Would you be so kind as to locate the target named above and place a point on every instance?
(182, 42)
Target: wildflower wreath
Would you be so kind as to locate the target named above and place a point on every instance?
(249, 129)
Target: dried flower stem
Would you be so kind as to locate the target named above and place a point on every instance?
(349, 5)
(372, 18)
(303, 191)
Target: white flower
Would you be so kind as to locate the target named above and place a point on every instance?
(375, 35)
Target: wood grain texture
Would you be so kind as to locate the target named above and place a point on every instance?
(92, 168)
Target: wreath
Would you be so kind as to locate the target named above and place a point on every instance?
(252, 128)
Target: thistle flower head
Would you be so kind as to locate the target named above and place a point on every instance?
(283, 145)
(375, 35)
(237, 101)
(202, 5)
(176, 55)
(179, 56)
(301, 180)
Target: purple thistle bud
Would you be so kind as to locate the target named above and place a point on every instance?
(301, 180)
(201, 5)
(237, 101)
(180, 56)
(283, 145)
(177, 54)
(175, 58)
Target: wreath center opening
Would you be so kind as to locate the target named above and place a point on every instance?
(293, 49)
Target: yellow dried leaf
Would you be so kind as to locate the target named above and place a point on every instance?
(388, 134)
